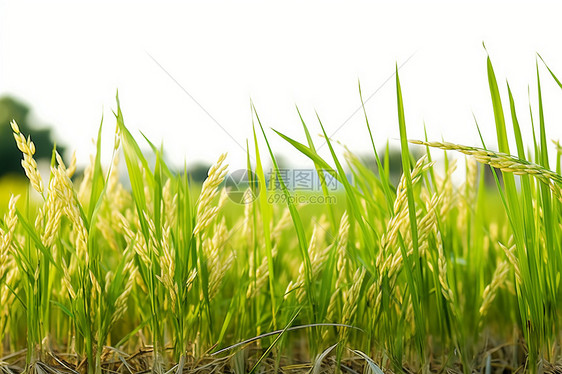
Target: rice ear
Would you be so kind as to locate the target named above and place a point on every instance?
(28, 163)
(505, 162)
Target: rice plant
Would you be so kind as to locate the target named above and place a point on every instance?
(162, 275)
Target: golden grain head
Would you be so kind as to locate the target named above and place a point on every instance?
(505, 162)
(498, 279)
(15, 127)
(27, 147)
(351, 295)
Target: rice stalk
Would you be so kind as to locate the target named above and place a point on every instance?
(505, 162)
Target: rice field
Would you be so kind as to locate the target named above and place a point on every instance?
(159, 275)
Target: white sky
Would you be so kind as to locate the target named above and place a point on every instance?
(67, 59)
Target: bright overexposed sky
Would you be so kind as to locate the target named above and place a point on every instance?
(186, 71)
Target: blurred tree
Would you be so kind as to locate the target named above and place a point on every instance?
(198, 172)
(10, 156)
(394, 162)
